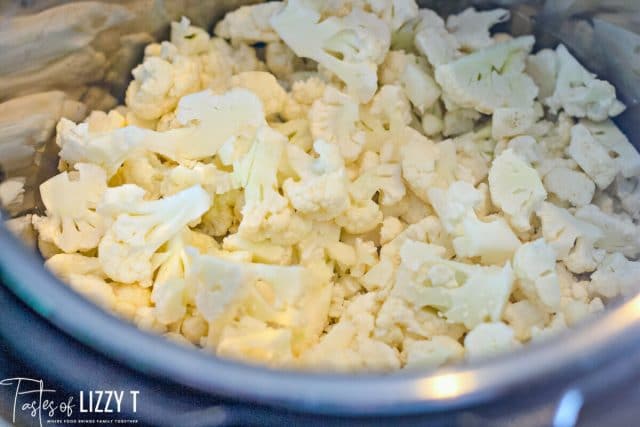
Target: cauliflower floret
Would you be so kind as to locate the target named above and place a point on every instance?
(433, 40)
(592, 157)
(385, 180)
(571, 238)
(265, 86)
(493, 240)
(351, 46)
(250, 24)
(510, 122)
(431, 353)
(609, 136)
(459, 121)
(335, 118)
(570, 185)
(628, 191)
(158, 85)
(70, 200)
(523, 316)
(490, 78)
(489, 339)
(12, 193)
(349, 346)
(616, 275)
(209, 176)
(391, 228)
(411, 73)
(534, 265)
(476, 293)
(471, 28)
(543, 69)
(579, 93)
(141, 227)
(189, 40)
(619, 233)
(516, 189)
(322, 189)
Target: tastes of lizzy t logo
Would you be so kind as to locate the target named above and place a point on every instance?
(32, 399)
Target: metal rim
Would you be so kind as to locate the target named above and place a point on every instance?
(592, 344)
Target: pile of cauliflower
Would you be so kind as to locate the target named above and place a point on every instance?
(349, 185)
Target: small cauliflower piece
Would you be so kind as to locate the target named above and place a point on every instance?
(523, 316)
(592, 157)
(481, 292)
(431, 353)
(490, 78)
(570, 185)
(510, 122)
(350, 46)
(543, 69)
(571, 238)
(141, 227)
(609, 136)
(334, 118)
(265, 86)
(70, 200)
(249, 24)
(534, 265)
(321, 190)
(619, 233)
(579, 93)
(391, 228)
(489, 339)
(471, 28)
(516, 189)
(616, 275)
(188, 39)
(12, 193)
(385, 180)
(433, 40)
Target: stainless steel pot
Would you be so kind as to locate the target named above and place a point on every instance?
(545, 384)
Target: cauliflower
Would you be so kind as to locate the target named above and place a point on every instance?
(619, 234)
(489, 339)
(534, 264)
(351, 46)
(543, 69)
(141, 227)
(570, 185)
(70, 200)
(510, 122)
(628, 191)
(609, 136)
(616, 275)
(523, 316)
(592, 157)
(304, 93)
(265, 86)
(471, 28)
(432, 353)
(490, 78)
(385, 180)
(571, 238)
(187, 39)
(249, 24)
(158, 85)
(433, 40)
(473, 294)
(515, 188)
(579, 93)
(334, 118)
(321, 191)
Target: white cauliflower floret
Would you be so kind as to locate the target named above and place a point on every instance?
(570, 185)
(543, 69)
(523, 316)
(516, 189)
(489, 339)
(391, 228)
(249, 24)
(433, 40)
(579, 93)
(70, 200)
(411, 73)
(349, 346)
(385, 179)
(334, 118)
(265, 86)
(141, 227)
(188, 39)
(628, 191)
(608, 135)
(431, 353)
(321, 190)
(492, 240)
(592, 157)
(619, 233)
(571, 238)
(459, 121)
(477, 293)
(490, 78)
(471, 28)
(534, 265)
(616, 275)
(510, 122)
(351, 46)
(208, 176)
(159, 84)
(12, 192)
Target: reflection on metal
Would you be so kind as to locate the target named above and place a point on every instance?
(446, 386)
(568, 409)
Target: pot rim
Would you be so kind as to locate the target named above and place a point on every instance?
(570, 355)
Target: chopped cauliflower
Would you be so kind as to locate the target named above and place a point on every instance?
(386, 190)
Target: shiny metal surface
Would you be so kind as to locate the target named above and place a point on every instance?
(603, 34)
